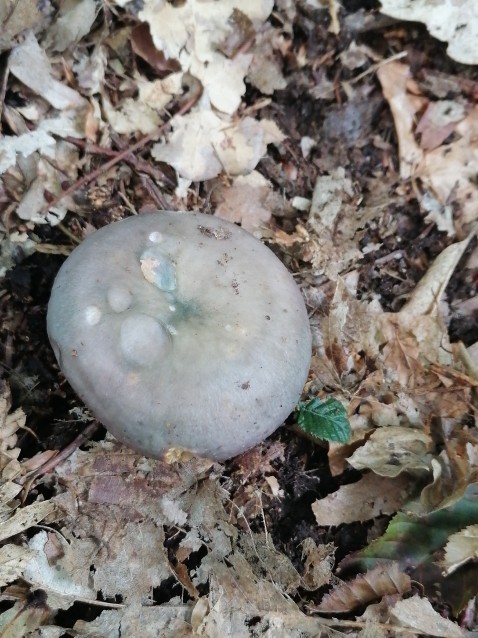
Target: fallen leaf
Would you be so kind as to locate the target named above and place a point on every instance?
(369, 497)
(245, 201)
(73, 22)
(418, 614)
(445, 21)
(29, 64)
(191, 32)
(203, 144)
(395, 79)
(381, 581)
(392, 450)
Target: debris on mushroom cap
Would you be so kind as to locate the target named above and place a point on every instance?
(181, 330)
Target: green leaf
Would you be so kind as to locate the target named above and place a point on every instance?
(416, 543)
(326, 420)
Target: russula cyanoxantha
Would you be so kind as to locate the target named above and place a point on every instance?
(181, 331)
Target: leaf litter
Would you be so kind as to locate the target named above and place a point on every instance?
(243, 111)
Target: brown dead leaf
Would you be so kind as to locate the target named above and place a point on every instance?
(265, 72)
(26, 517)
(143, 45)
(258, 460)
(447, 169)
(395, 79)
(438, 122)
(417, 613)
(13, 562)
(241, 31)
(25, 616)
(200, 29)
(428, 292)
(203, 144)
(318, 565)
(10, 423)
(245, 201)
(29, 63)
(381, 581)
(167, 621)
(454, 469)
(392, 450)
(401, 353)
(371, 496)
(17, 16)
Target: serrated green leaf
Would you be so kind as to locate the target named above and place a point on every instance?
(326, 420)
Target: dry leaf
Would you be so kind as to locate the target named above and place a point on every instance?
(395, 78)
(445, 20)
(417, 613)
(392, 450)
(371, 496)
(17, 16)
(191, 32)
(447, 170)
(30, 65)
(318, 564)
(364, 588)
(460, 549)
(168, 621)
(245, 201)
(26, 517)
(73, 22)
(203, 144)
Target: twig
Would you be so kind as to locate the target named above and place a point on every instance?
(123, 155)
(61, 456)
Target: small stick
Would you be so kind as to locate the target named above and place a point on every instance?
(120, 156)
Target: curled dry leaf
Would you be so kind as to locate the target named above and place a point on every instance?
(381, 581)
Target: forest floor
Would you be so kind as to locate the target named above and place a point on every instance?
(344, 138)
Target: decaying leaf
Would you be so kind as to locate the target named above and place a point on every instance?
(381, 581)
(417, 613)
(168, 621)
(391, 450)
(191, 32)
(245, 201)
(446, 170)
(445, 20)
(25, 616)
(203, 144)
(26, 517)
(73, 22)
(460, 548)
(318, 564)
(30, 65)
(17, 16)
(371, 496)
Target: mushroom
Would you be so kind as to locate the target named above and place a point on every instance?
(181, 332)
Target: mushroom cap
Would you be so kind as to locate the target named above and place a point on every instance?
(181, 331)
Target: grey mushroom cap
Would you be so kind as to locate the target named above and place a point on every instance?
(181, 331)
